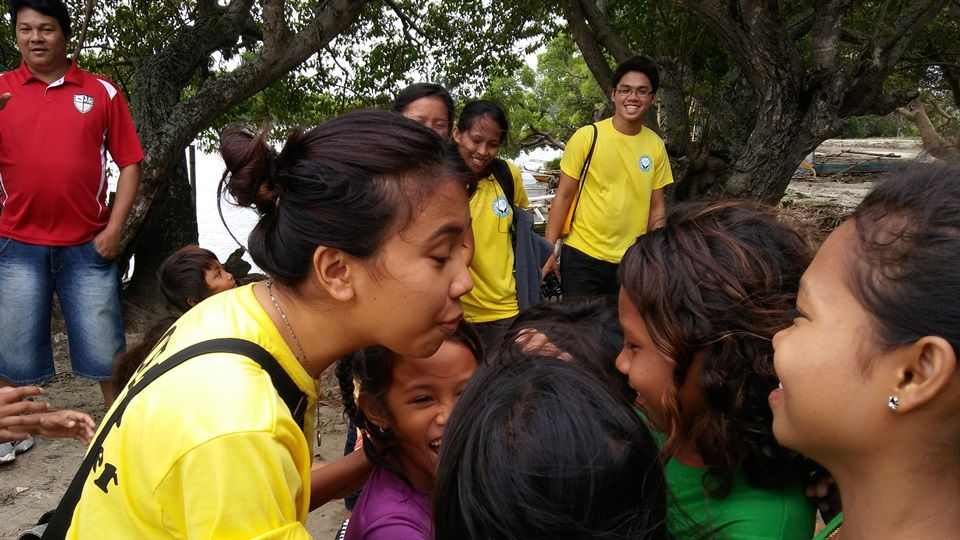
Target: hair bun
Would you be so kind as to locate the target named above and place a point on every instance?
(250, 168)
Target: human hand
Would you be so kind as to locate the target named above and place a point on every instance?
(15, 414)
(4, 99)
(532, 340)
(550, 266)
(67, 424)
(107, 244)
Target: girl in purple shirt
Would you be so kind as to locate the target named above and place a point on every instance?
(402, 405)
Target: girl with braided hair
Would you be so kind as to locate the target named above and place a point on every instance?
(402, 405)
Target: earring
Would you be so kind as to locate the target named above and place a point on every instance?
(893, 402)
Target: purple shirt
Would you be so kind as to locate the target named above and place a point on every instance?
(390, 509)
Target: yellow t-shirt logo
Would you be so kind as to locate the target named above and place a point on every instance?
(501, 207)
(645, 163)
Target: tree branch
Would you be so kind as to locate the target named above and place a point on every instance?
(588, 44)
(87, 14)
(939, 109)
(952, 80)
(274, 25)
(605, 34)
(406, 22)
(751, 35)
(800, 24)
(825, 35)
(208, 7)
(182, 120)
(909, 24)
(537, 138)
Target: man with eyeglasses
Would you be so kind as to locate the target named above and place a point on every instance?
(622, 193)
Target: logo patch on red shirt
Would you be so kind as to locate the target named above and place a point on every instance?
(83, 102)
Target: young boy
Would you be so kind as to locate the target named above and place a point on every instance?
(187, 277)
(190, 275)
(622, 194)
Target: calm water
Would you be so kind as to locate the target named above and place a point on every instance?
(213, 234)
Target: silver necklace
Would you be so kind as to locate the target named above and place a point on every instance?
(285, 321)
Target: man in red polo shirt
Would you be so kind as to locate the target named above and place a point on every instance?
(57, 125)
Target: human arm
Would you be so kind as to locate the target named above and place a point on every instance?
(562, 200)
(107, 241)
(566, 191)
(658, 210)
(65, 424)
(16, 414)
(338, 479)
(19, 419)
(4, 99)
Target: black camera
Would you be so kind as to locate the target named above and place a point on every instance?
(550, 287)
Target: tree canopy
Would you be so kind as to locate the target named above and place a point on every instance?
(748, 88)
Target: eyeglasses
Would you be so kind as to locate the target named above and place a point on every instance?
(639, 92)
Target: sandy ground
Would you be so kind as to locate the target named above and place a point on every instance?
(38, 478)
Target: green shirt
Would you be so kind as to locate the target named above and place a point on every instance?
(747, 513)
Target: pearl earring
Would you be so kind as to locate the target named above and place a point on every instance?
(893, 402)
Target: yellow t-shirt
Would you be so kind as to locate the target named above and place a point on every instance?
(208, 449)
(615, 202)
(494, 294)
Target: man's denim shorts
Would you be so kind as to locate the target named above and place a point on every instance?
(89, 292)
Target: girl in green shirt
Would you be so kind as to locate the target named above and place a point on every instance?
(699, 301)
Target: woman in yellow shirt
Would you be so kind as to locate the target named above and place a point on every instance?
(492, 304)
(360, 228)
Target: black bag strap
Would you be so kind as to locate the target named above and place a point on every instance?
(583, 171)
(288, 390)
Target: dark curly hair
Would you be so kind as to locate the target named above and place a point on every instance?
(182, 276)
(370, 371)
(722, 279)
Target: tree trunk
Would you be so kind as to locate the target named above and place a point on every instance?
(791, 98)
(170, 224)
(168, 120)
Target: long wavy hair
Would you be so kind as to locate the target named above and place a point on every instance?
(720, 280)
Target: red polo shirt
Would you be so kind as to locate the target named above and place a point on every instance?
(54, 141)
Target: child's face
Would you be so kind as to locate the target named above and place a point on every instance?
(409, 299)
(650, 372)
(419, 401)
(826, 398)
(218, 279)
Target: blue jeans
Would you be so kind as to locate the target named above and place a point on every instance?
(89, 292)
